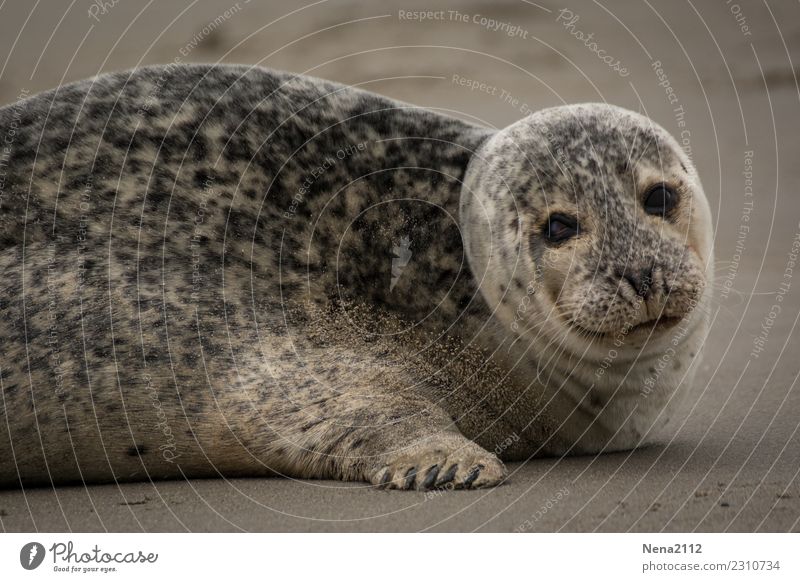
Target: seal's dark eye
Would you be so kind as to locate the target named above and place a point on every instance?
(560, 227)
(660, 200)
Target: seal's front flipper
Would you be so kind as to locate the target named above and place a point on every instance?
(355, 418)
(391, 441)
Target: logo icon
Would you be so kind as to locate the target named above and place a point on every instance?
(31, 555)
(402, 255)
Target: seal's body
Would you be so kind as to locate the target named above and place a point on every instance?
(222, 270)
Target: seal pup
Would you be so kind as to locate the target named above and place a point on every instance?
(232, 271)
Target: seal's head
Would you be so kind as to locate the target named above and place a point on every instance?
(591, 218)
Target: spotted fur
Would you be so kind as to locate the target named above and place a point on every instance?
(201, 278)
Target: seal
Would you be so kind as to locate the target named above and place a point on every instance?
(231, 271)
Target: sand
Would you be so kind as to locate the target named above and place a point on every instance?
(720, 78)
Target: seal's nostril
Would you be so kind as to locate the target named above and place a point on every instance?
(641, 281)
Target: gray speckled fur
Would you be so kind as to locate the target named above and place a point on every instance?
(196, 278)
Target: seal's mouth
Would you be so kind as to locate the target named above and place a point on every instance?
(653, 326)
(658, 324)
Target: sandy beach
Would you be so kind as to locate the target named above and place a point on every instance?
(721, 77)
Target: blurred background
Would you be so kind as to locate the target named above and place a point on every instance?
(721, 76)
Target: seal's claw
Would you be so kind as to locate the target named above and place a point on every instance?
(448, 477)
(430, 478)
(468, 467)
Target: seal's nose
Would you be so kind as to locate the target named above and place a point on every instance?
(641, 280)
